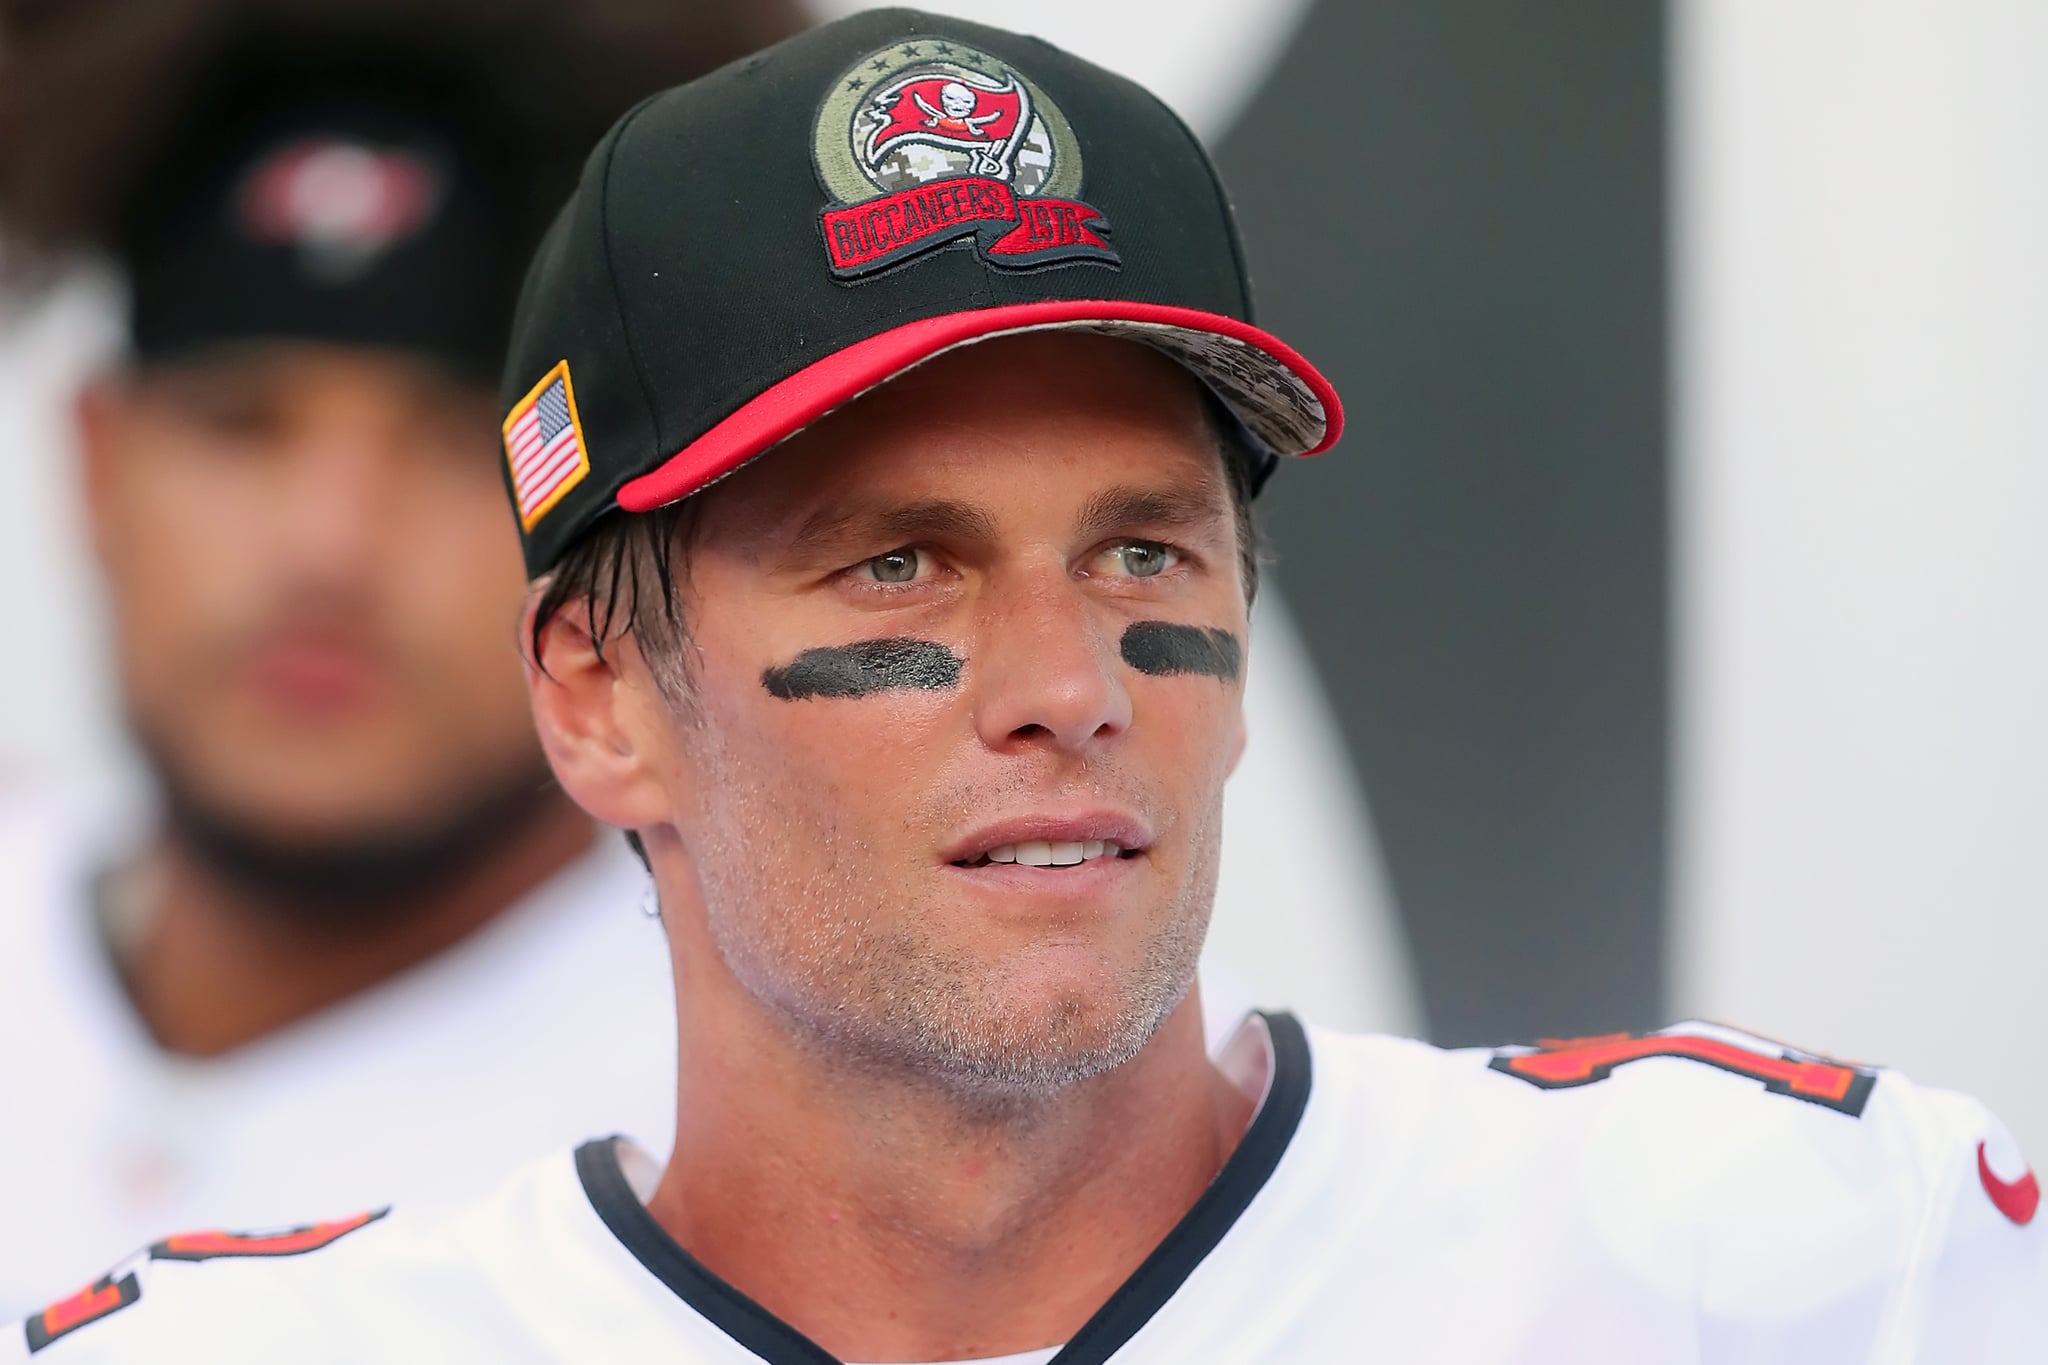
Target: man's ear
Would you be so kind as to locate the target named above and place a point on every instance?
(591, 717)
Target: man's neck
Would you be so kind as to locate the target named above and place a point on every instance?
(888, 1222)
(213, 966)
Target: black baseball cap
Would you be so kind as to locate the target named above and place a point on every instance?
(351, 202)
(749, 251)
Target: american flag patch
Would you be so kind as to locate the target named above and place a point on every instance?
(544, 446)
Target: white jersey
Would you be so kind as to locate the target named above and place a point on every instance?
(1696, 1195)
(553, 1021)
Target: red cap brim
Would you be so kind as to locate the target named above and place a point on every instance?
(1278, 395)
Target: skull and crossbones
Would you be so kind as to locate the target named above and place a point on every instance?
(955, 113)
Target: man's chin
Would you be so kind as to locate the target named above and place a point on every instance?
(1045, 1021)
(957, 1003)
(348, 864)
(1033, 1060)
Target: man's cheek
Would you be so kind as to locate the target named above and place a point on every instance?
(1188, 730)
(860, 718)
(839, 778)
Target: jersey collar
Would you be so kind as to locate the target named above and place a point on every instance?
(1134, 1303)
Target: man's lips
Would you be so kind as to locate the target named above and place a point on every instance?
(314, 674)
(1053, 840)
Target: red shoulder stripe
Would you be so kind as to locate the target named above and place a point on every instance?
(88, 1305)
(1567, 1063)
(206, 1246)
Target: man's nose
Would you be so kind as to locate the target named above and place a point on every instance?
(1045, 672)
(332, 509)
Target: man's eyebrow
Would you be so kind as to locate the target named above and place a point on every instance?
(1120, 509)
(899, 523)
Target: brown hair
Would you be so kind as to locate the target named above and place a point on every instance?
(90, 89)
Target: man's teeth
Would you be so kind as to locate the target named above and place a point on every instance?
(1039, 853)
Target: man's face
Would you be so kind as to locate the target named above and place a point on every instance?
(1028, 525)
(314, 587)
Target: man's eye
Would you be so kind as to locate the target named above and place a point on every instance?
(897, 566)
(230, 417)
(1142, 558)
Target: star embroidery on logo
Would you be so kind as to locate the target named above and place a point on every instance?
(910, 49)
(856, 83)
(879, 64)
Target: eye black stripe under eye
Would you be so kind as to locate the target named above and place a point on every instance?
(1166, 650)
(865, 668)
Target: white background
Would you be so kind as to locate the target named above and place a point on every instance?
(1862, 389)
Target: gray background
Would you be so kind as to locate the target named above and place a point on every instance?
(1457, 209)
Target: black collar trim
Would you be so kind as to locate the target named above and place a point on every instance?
(1136, 1301)
(726, 1308)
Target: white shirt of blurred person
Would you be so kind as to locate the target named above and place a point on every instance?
(923, 717)
(366, 932)
(364, 943)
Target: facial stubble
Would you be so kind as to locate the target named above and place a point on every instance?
(867, 981)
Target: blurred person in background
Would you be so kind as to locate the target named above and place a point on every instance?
(355, 942)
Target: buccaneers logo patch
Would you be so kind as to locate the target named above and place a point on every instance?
(927, 142)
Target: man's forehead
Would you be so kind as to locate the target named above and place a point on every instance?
(911, 518)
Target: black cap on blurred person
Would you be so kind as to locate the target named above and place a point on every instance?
(748, 251)
(349, 206)
(367, 173)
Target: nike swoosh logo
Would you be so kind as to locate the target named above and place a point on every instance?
(2016, 1199)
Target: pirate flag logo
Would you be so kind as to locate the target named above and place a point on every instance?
(928, 142)
(971, 119)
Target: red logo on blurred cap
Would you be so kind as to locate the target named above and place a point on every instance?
(341, 203)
